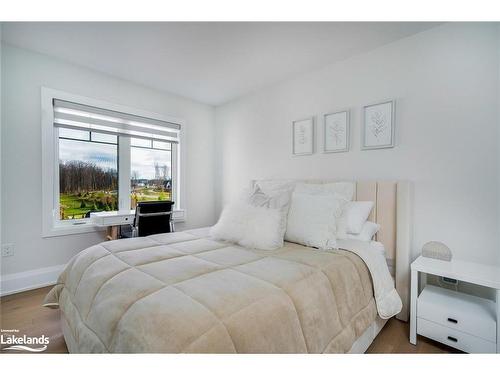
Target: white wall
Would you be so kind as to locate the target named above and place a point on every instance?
(445, 81)
(498, 121)
(23, 73)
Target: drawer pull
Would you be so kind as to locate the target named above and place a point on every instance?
(451, 320)
(451, 338)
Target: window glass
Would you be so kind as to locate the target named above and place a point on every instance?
(150, 175)
(162, 145)
(139, 142)
(74, 134)
(106, 138)
(88, 177)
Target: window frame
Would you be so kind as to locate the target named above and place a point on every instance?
(51, 224)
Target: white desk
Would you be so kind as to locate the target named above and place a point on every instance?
(474, 273)
(113, 219)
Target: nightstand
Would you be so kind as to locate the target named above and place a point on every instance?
(465, 322)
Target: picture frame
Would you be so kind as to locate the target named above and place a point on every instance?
(336, 131)
(378, 127)
(303, 136)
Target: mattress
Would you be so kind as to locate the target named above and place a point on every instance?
(185, 293)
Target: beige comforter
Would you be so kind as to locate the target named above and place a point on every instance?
(183, 292)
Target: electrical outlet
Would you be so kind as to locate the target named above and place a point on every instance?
(8, 250)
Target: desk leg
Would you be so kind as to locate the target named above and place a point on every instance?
(112, 233)
(413, 307)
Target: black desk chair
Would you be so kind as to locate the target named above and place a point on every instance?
(151, 218)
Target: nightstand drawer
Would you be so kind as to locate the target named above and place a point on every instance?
(458, 311)
(454, 338)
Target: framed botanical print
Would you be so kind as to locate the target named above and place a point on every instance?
(378, 127)
(336, 130)
(303, 137)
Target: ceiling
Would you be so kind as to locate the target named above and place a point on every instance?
(209, 62)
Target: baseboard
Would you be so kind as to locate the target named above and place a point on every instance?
(23, 281)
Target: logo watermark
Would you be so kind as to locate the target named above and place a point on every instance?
(16, 342)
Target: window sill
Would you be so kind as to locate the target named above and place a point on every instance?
(89, 227)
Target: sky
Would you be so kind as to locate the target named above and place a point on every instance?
(105, 156)
(143, 161)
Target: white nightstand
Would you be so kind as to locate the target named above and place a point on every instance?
(466, 322)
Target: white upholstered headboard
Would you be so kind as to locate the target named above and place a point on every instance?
(392, 210)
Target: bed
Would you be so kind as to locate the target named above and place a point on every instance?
(184, 292)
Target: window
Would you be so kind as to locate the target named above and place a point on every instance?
(104, 157)
(88, 173)
(151, 170)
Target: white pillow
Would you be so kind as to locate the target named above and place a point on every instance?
(280, 200)
(275, 199)
(369, 230)
(274, 187)
(343, 189)
(249, 226)
(312, 220)
(354, 215)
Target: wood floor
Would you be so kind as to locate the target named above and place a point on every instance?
(24, 312)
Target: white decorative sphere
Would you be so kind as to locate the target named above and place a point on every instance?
(436, 250)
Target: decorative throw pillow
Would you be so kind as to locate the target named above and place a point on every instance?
(278, 199)
(256, 197)
(369, 230)
(274, 199)
(312, 219)
(354, 215)
(275, 187)
(250, 226)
